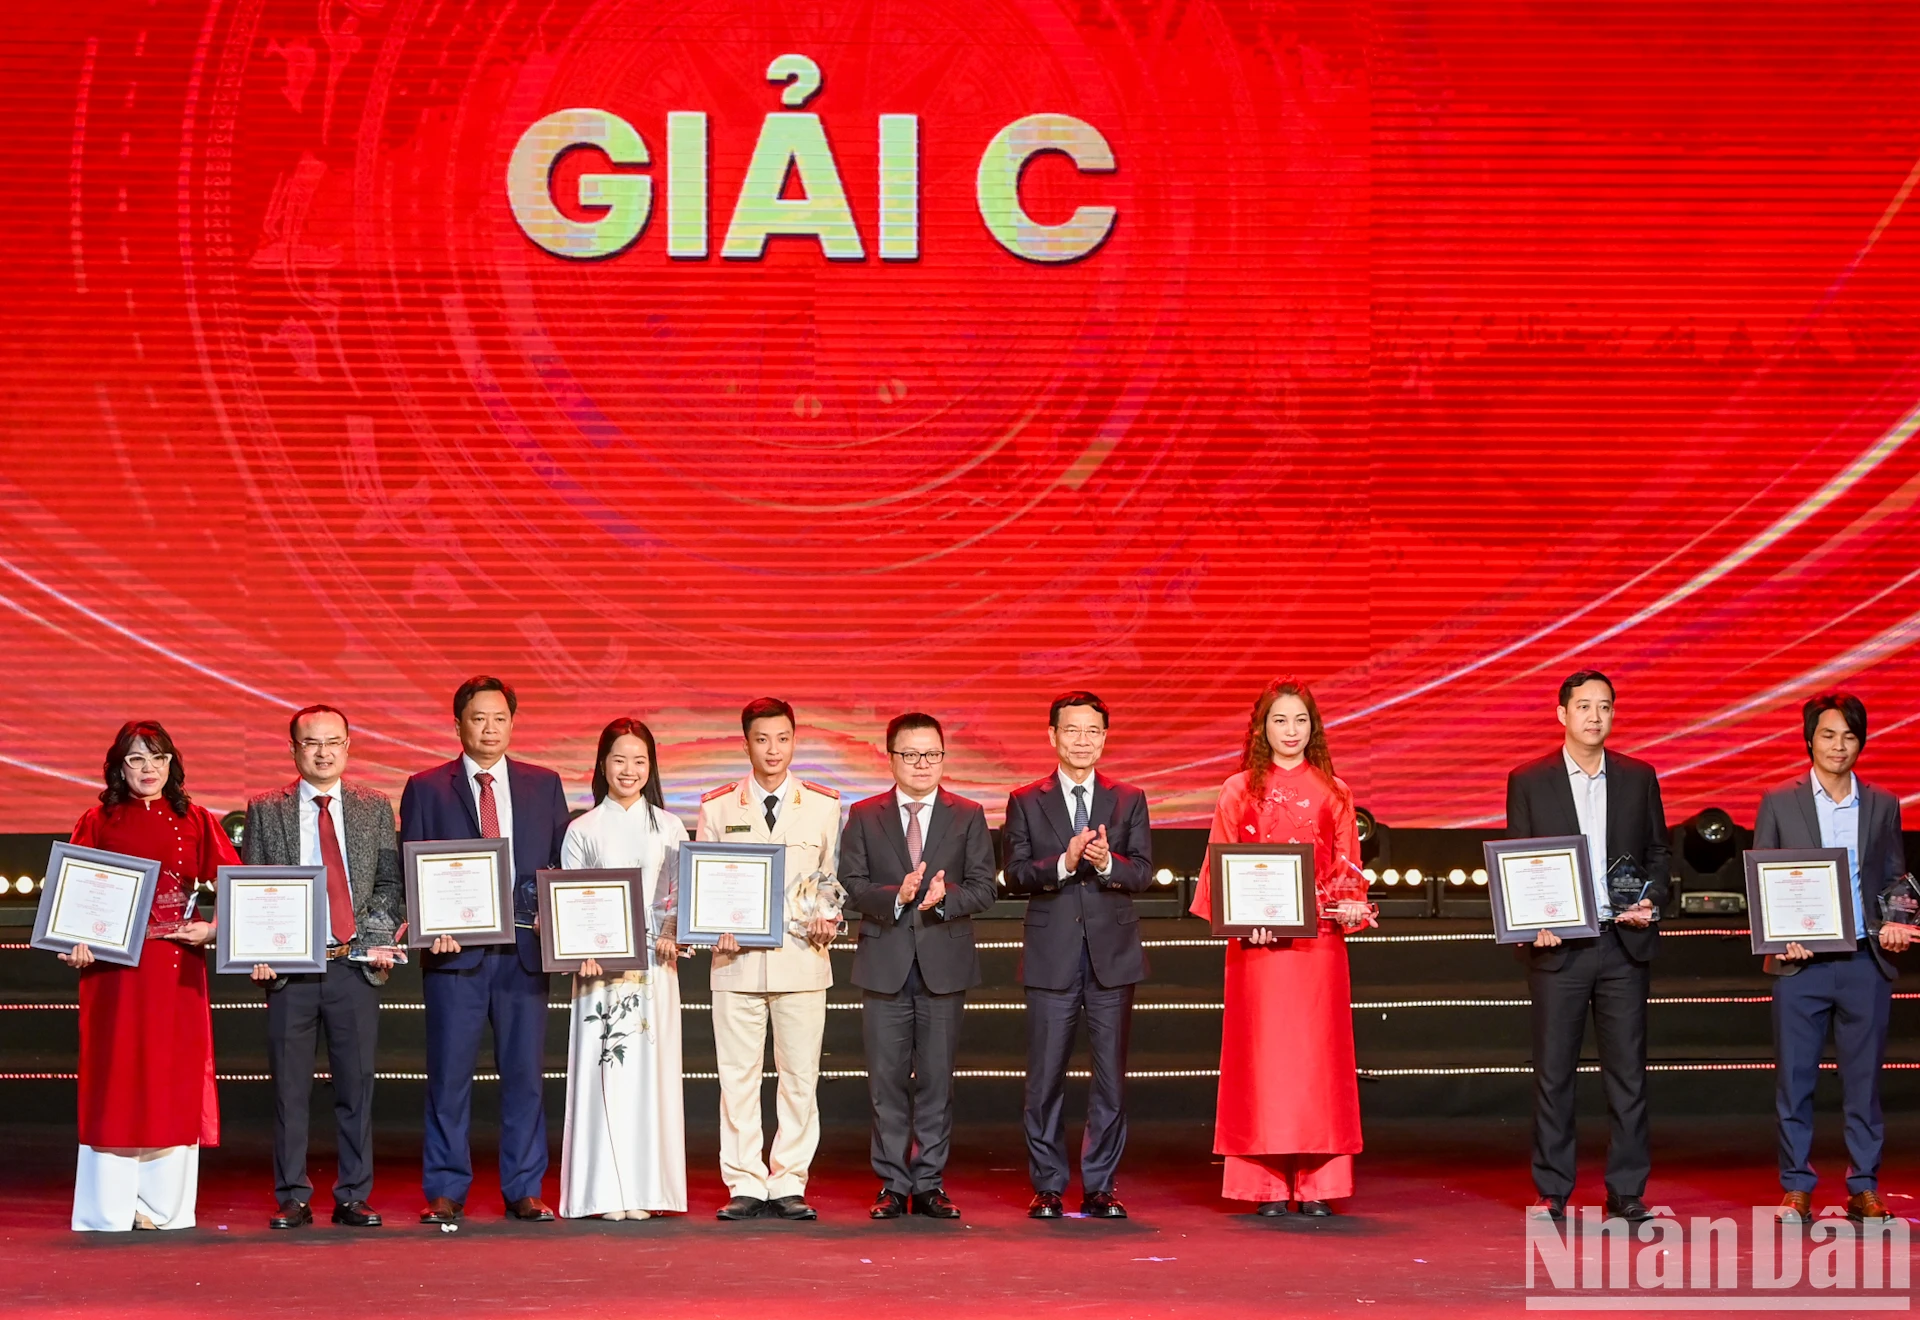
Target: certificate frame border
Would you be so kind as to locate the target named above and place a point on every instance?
(1588, 927)
(1307, 928)
(127, 956)
(315, 878)
(636, 881)
(414, 849)
(690, 856)
(1752, 859)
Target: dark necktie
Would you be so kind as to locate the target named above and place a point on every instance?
(1079, 807)
(773, 800)
(489, 810)
(915, 840)
(339, 888)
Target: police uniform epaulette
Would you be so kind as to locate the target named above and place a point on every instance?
(721, 791)
(820, 788)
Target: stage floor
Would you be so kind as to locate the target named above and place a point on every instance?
(1435, 1229)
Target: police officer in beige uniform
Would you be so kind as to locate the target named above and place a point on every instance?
(785, 987)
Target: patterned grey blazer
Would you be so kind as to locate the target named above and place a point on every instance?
(272, 838)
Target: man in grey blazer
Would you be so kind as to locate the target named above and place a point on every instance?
(917, 863)
(319, 821)
(1832, 807)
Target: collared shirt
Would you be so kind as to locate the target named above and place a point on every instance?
(900, 799)
(757, 796)
(1840, 828)
(310, 831)
(1590, 805)
(1066, 790)
(502, 795)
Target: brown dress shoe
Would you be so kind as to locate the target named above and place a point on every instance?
(442, 1210)
(1795, 1208)
(531, 1209)
(1866, 1205)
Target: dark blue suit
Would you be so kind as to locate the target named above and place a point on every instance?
(1850, 992)
(498, 984)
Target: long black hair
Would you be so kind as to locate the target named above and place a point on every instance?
(159, 741)
(620, 728)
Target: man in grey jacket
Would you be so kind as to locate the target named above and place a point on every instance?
(319, 821)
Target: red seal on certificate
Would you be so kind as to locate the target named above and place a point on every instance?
(280, 940)
(602, 940)
(466, 914)
(738, 916)
(99, 928)
(1553, 909)
(1809, 923)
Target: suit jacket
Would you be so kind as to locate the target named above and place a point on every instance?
(809, 827)
(438, 804)
(1085, 908)
(272, 838)
(1540, 805)
(1788, 819)
(873, 862)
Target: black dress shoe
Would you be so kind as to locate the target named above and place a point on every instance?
(293, 1214)
(1548, 1207)
(1315, 1209)
(1630, 1208)
(889, 1204)
(442, 1210)
(1045, 1205)
(935, 1205)
(1272, 1209)
(356, 1214)
(742, 1207)
(792, 1207)
(1102, 1205)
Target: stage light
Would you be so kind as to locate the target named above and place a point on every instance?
(1479, 875)
(1371, 874)
(1163, 876)
(1000, 878)
(1371, 832)
(1710, 841)
(1456, 877)
(1391, 876)
(1363, 823)
(24, 884)
(234, 826)
(1413, 875)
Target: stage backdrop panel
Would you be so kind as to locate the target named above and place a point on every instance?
(1426, 351)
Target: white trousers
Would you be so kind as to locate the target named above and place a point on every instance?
(112, 1184)
(740, 1022)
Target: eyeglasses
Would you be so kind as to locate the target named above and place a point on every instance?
(311, 745)
(1080, 733)
(920, 758)
(141, 764)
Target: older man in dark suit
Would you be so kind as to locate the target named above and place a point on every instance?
(1078, 849)
(318, 820)
(1832, 807)
(1584, 788)
(484, 794)
(917, 863)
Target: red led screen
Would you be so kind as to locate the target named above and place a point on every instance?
(1427, 351)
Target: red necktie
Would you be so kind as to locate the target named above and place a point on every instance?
(489, 813)
(339, 888)
(914, 837)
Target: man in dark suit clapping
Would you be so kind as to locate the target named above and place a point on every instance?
(1832, 807)
(481, 794)
(1077, 848)
(319, 820)
(1614, 802)
(917, 863)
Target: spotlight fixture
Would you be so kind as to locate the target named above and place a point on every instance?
(1163, 876)
(1000, 878)
(1456, 876)
(1371, 874)
(1371, 833)
(24, 884)
(1479, 875)
(234, 826)
(1390, 876)
(1413, 875)
(1710, 841)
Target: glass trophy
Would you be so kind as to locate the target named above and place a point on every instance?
(1900, 902)
(172, 912)
(1348, 884)
(1627, 884)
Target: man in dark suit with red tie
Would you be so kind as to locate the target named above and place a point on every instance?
(1078, 849)
(482, 794)
(1613, 802)
(917, 863)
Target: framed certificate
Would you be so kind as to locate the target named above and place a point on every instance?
(1800, 896)
(593, 914)
(275, 915)
(737, 889)
(458, 887)
(99, 899)
(1541, 884)
(1264, 886)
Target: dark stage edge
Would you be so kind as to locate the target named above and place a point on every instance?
(1436, 1228)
